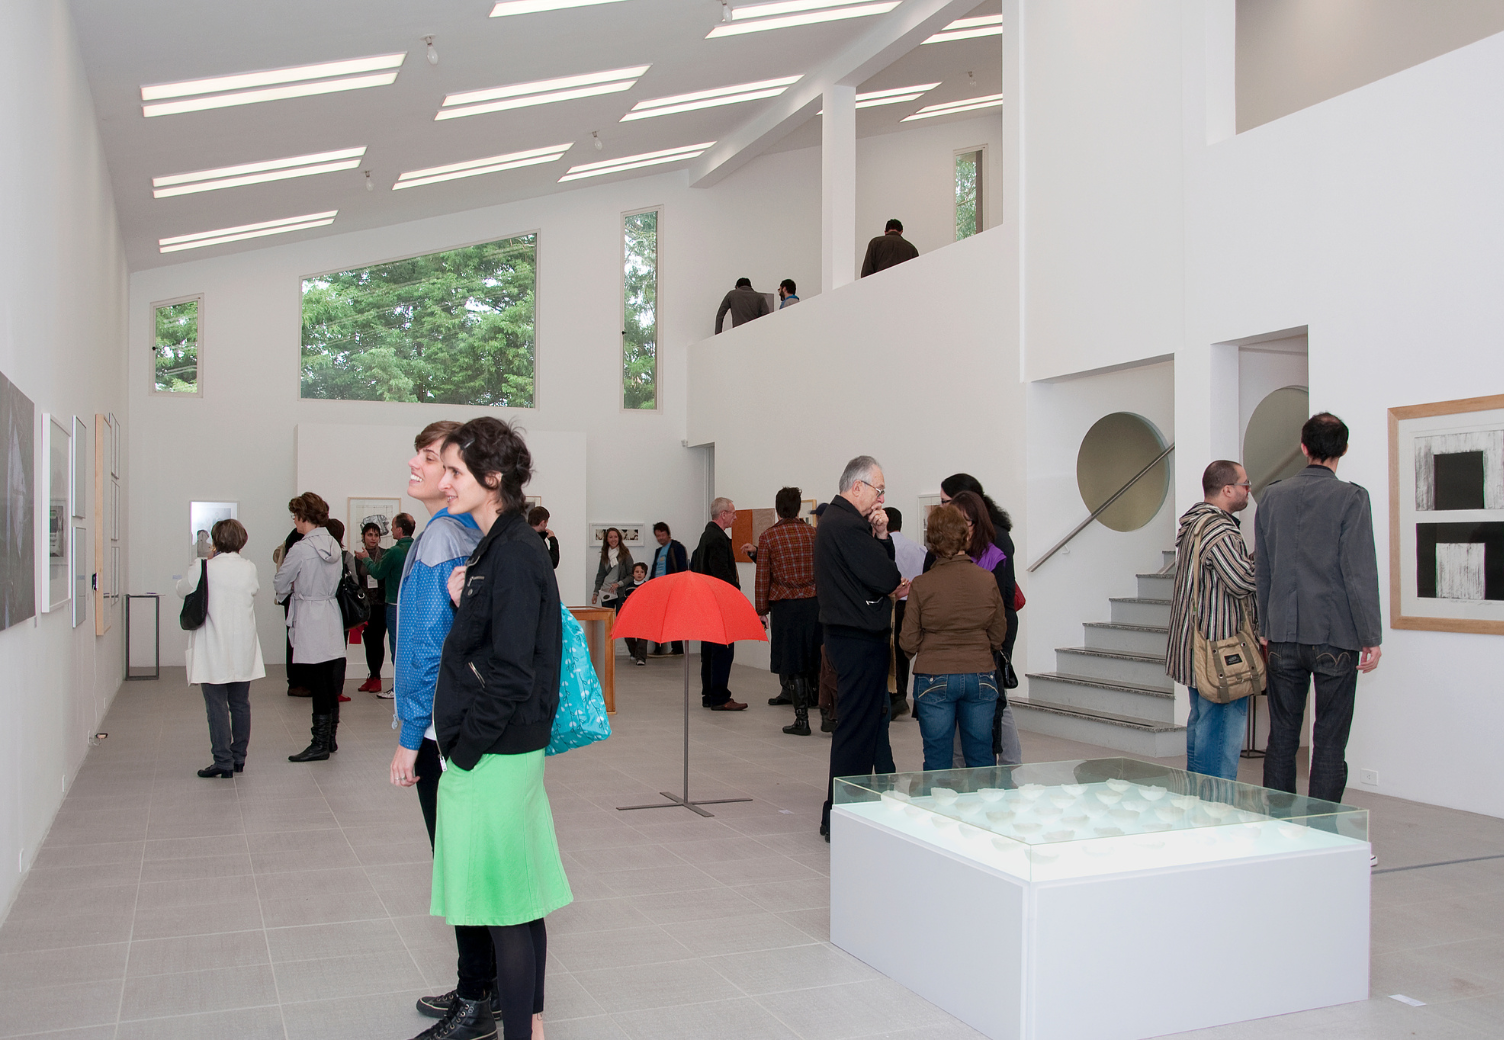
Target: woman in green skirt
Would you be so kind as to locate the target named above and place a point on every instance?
(496, 861)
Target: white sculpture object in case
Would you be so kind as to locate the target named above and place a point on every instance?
(1006, 895)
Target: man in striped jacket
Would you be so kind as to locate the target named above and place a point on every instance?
(1214, 732)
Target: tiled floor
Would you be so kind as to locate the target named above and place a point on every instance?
(292, 902)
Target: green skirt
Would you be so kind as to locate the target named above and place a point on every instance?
(495, 857)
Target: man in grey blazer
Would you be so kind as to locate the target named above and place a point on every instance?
(1318, 607)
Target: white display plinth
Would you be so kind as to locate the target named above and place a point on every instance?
(1103, 938)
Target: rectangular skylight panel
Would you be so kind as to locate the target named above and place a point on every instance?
(952, 107)
(199, 239)
(665, 106)
(969, 28)
(893, 99)
(255, 173)
(738, 28)
(257, 167)
(541, 86)
(779, 7)
(293, 74)
(477, 167)
(917, 88)
(251, 97)
(691, 106)
(632, 162)
(506, 104)
(700, 95)
(504, 8)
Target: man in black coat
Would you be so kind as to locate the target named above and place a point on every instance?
(669, 558)
(713, 556)
(888, 250)
(743, 304)
(855, 573)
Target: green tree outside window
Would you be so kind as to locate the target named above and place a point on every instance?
(447, 328)
(639, 337)
(176, 348)
(968, 194)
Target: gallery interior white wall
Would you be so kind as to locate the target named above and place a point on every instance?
(62, 328)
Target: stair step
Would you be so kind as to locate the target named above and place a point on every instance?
(1156, 586)
(1148, 738)
(1140, 610)
(1114, 666)
(1141, 639)
(1150, 704)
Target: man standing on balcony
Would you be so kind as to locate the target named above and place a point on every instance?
(743, 303)
(888, 250)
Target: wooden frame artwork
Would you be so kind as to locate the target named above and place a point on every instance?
(1446, 516)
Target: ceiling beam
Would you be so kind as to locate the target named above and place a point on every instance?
(887, 39)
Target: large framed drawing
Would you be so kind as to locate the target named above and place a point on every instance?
(82, 577)
(103, 591)
(80, 468)
(378, 511)
(202, 516)
(58, 519)
(18, 582)
(1446, 516)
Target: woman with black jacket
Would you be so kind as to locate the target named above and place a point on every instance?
(496, 860)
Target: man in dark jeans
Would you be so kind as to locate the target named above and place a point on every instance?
(669, 558)
(713, 556)
(855, 573)
(1318, 607)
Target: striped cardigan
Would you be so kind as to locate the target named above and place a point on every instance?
(1227, 587)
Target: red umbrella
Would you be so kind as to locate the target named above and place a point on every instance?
(687, 605)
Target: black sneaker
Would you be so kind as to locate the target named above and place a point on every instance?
(464, 1020)
(438, 1006)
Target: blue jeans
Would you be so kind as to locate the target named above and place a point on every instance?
(943, 703)
(1214, 736)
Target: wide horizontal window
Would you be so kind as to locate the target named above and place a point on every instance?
(446, 328)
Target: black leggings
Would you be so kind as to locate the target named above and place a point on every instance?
(324, 679)
(521, 950)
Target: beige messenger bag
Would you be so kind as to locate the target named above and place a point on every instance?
(1228, 669)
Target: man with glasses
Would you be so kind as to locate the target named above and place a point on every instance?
(1214, 732)
(713, 556)
(856, 575)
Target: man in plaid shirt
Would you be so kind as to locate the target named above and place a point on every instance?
(785, 597)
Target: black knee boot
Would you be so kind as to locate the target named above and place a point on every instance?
(784, 695)
(800, 728)
(318, 749)
(334, 729)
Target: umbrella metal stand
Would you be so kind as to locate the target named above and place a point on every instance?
(675, 801)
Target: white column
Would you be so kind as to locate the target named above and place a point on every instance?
(838, 188)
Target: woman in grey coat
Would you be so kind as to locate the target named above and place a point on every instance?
(307, 581)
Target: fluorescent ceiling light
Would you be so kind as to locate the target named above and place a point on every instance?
(275, 84)
(779, 7)
(539, 92)
(891, 96)
(969, 28)
(508, 7)
(476, 167)
(633, 162)
(952, 107)
(709, 98)
(200, 239)
(255, 173)
(738, 27)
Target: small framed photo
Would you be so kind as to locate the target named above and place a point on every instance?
(378, 511)
(57, 510)
(631, 533)
(83, 578)
(927, 504)
(202, 516)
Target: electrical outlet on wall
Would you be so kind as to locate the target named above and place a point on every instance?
(1369, 777)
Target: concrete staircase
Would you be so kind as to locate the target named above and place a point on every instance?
(1113, 691)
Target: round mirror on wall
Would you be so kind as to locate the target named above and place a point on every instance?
(1271, 444)
(1114, 449)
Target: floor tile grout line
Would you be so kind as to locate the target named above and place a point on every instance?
(1442, 863)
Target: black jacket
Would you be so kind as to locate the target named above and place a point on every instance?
(678, 559)
(743, 305)
(552, 545)
(713, 556)
(853, 571)
(885, 251)
(499, 675)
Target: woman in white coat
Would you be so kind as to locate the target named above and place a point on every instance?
(224, 656)
(308, 580)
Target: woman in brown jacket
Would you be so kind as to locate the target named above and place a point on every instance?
(954, 622)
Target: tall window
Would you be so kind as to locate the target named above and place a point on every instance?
(968, 193)
(447, 328)
(175, 348)
(639, 332)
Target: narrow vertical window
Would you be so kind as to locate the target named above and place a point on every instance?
(639, 331)
(175, 347)
(968, 193)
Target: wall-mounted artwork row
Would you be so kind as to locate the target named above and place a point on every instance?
(18, 586)
(57, 495)
(1446, 515)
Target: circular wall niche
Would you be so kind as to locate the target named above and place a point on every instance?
(1271, 444)
(1113, 450)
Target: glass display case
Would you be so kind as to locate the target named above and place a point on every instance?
(1059, 820)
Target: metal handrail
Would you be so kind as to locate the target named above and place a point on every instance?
(1102, 508)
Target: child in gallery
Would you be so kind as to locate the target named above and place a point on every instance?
(638, 648)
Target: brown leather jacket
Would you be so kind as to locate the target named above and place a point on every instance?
(954, 620)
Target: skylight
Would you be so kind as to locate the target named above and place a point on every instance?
(893, 96)
(633, 162)
(709, 98)
(476, 167)
(196, 95)
(509, 7)
(255, 173)
(200, 239)
(950, 108)
(539, 92)
(969, 28)
(787, 13)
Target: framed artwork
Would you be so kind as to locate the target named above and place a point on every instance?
(378, 511)
(807, 507)
(1446, 516)
(114, 510)
(530, 501)
(101, 483)
(114, 446)
(58, 514)
(631, 533)
(927, 503)
(18, 556)
(202, 516)
(81, 470)
(747, 528)
(82, 576)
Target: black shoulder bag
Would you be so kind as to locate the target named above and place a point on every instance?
(354, 604)
(196, 603)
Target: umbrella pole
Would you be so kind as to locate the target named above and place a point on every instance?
(675, 801)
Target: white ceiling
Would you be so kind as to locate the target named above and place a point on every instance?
(126, 45)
